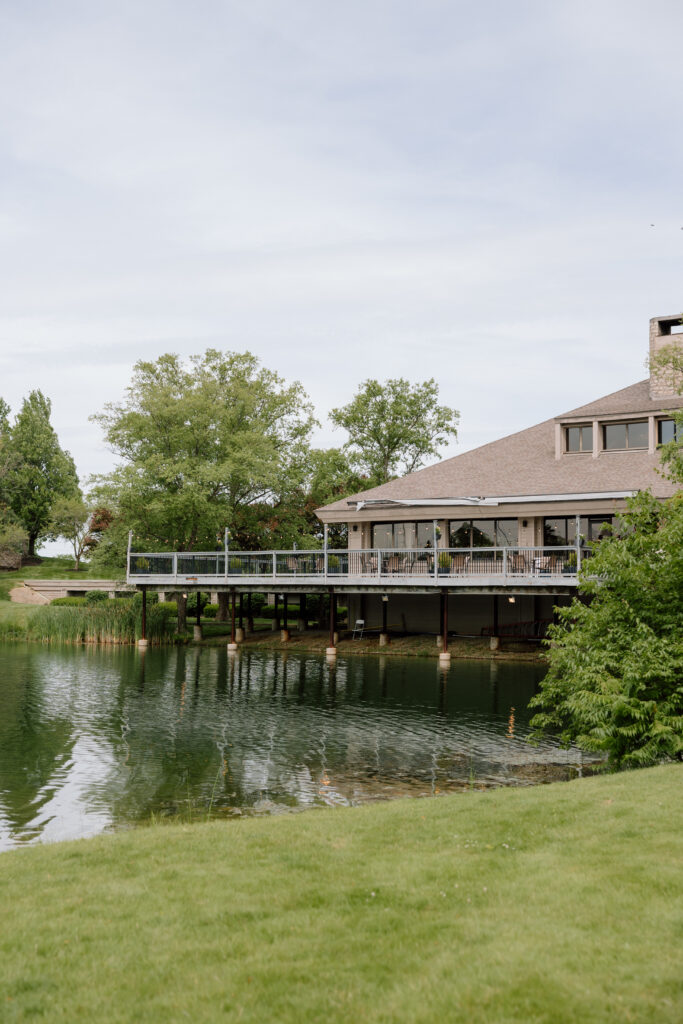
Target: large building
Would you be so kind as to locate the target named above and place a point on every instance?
(530, 489)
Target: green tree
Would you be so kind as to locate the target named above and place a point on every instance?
(203, 445)
(615, 677)
(394, 427)
(79, 523)
(38, 470)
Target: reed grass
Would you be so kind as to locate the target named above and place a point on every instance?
(110, 622)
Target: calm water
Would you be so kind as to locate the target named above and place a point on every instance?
(95, 738)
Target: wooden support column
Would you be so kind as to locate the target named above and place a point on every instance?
(232, 646)
(384, 635)
(284, 632)
(142, 642)
(239, 632)
(302, 621)
(197, 632)
(250, 615)
(495, 639)
(332, 647)
(439, 636)
(444, 655)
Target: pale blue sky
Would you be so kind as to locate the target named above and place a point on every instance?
(363, 189)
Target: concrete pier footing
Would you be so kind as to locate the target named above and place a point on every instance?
(239, 635)
(232, 648)
(383, 639)
(197, 633)
(142, 644)
(445, 658)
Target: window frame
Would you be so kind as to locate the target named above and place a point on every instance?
(581, 427)
(625, 424)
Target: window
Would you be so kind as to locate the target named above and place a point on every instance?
(579, 439)
(561, 531)
(666, 431)
(403, 535)
(621, 436)
(483, 533)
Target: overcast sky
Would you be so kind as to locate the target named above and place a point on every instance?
(411, 187)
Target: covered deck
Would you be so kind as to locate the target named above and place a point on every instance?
(352, 570)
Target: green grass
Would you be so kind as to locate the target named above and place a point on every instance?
(61, 568)
(554, 904)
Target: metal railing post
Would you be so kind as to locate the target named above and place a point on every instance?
(175, 566)
(226, 547)
(275, 566)
(505, 562)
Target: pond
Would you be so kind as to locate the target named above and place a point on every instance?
(98, 738)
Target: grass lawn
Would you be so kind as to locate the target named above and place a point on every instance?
(554, 904)
(61, 568)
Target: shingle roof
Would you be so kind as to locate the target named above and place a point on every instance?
(633, 399)
(524, 463)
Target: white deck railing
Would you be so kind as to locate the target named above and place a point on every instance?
(399, 564)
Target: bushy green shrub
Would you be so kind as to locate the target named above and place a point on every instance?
(96, 597)
(68, 602)
(210, 611)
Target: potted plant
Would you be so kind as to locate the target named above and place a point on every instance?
(235, 567)
(569, 566)
(445, 562)
(333, 563)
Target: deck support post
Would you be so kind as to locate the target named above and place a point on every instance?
(239, 632)
(494, 643)
(444, 654)
(332, 648)
(301, 621)
(197, 631)
(284, 632)
(250, 615)
(232, 646)
(439, 637)
(384, 635)
(142, 642)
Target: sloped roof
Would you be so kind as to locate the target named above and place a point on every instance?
(524, 463)
(631, 400)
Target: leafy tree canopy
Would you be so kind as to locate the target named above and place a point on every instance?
(615, 678)
(35, 469)
(394, 427)
(203, 444)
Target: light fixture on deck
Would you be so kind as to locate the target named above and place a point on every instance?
(511, 600)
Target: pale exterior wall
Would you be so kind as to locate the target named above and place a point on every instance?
(355, 541)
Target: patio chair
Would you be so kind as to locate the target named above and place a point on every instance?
(357, 633)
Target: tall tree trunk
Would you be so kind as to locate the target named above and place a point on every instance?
(223, 604)
(32, 538)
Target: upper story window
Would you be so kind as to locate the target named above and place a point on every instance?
(666, 431)
(579, 439)
(621, 436)
(482, 533)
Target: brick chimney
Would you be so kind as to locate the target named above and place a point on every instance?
(664, 331)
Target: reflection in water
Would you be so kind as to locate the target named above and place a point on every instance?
(94, 738)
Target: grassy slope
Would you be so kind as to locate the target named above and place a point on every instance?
(50, 569)
(551, 904)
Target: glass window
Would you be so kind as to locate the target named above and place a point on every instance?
(579, 439)
(619, 436)
(615, 436)
(666, 431)
(483, 533)
(507, 533)
(554, 531)
(382, 535)
(596, 527)
(425, 535)
(459, 533)
(562, 531)
(403, 535)
(637, 435)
